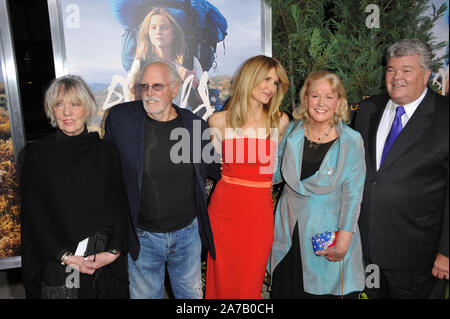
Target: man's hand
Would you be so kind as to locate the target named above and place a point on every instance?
(440, 268)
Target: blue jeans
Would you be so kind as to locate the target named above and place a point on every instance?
(181, 250)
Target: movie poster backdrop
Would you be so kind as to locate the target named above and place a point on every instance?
(107, 41)
(11, 141)
(440, 78)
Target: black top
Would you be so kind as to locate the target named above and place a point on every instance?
(124, 127)
(72, 187)
(313, 157)
(168, 199)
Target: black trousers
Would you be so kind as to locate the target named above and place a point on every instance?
(396, 284)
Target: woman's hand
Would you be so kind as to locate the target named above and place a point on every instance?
(184, 73)
(338, 251)
(133, 78)
(78, 263)
(332, 254)
(101, 260)
(87, 265)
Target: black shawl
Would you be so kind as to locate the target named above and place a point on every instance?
(72, 187)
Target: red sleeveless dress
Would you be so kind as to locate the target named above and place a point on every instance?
(241, 215)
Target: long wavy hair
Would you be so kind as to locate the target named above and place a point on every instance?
(145, 50)
(252, 73)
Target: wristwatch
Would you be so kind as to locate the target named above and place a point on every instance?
(114, 252)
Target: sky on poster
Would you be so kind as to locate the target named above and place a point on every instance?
(94, 48)
(441, 27)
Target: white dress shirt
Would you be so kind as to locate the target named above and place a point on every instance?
(388, 118)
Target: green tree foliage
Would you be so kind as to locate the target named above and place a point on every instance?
(332, 35)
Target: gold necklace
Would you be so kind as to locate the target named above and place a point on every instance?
(315, 145)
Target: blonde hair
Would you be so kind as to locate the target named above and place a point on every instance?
(69, 85)
(145, 49)
(250, 75)
(342, 113)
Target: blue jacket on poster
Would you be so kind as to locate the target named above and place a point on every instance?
(329, 200)
(204, 24)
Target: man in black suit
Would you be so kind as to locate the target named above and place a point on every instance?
(404, 214)
(165, 168)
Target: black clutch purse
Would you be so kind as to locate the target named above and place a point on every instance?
(98, 242)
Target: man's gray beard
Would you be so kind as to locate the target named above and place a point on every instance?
(153, 99)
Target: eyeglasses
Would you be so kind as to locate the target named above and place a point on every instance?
(143, 87)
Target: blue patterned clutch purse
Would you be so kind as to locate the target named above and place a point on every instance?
(324, 240)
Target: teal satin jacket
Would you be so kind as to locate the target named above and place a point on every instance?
(329, 200)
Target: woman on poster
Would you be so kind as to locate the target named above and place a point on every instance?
(160, 37)
(241, 209)
(322, 162)
(72, 189)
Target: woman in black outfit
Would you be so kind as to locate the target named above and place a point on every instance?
(72, 189)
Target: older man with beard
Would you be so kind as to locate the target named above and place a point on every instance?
(167, 198)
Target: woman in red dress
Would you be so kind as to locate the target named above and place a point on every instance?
(241, 210)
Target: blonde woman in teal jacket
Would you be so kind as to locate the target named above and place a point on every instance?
(321, 160)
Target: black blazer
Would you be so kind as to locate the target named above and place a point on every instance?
(404, 213)
(125, 127)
